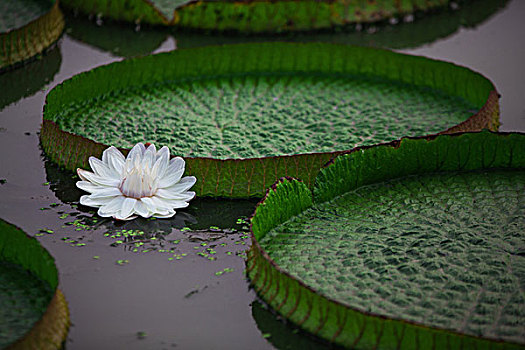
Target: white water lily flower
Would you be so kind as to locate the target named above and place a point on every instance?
(146, 183)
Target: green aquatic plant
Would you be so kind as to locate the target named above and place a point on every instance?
(258, 112)
(27, 28)
(251, 16)
(415, 243)
(33, 312)
(124, 41)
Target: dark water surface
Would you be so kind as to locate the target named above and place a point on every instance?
(179, 283)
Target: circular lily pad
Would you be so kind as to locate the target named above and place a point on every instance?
(252, 16)
(33, 312)
(433, 26)
(125, 41)
(27, 27)
(257, 112)
(417, 243)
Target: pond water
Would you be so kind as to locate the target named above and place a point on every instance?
(180, 283)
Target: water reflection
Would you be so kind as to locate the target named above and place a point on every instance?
(122, 39)
(201, 215)
(209, 229)
(32, 76)
(283, 335)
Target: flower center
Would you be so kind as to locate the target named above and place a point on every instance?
(138, 183)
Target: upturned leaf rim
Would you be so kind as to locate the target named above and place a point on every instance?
(250, 177)
(50, 331)
(253, 16)
(335, 320)
(20, 44)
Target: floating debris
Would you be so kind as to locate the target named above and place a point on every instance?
(141, 335)
(46, 230)
(226, 270)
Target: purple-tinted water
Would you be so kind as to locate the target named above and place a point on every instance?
(121, 299)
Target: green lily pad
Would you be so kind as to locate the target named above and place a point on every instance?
(125, 41)
(433, 26)
(15, 14)
(415, 242)
(261, 111)
(23, 301)
(27, 28)
(33, 312)
(251, 16)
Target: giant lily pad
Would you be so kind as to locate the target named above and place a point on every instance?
(422, 31)
(251, 16)
(257, 112)
(124, 41)
(414, 244)
(27, 27)
(33, 312)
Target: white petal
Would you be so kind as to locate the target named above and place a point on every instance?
(112, 207)
(101, 169)
(152, 148)
(173, 173)
(112, 152)
(80, 173)
(161, 164)
(160, 208)
(97, 180)
(126, 209)
(148, 158)
(128, 218)
(169, 214)
(176, 204)
(104, 214)
(142, 209)
(84, 199)
(169, 203)
(98, 202)
(155, 204)
(136, 152)
(183, 185)
(167, 194)
(114, 159)
(106, 192)
(149, 203)
(88, 186)
(163, 152)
